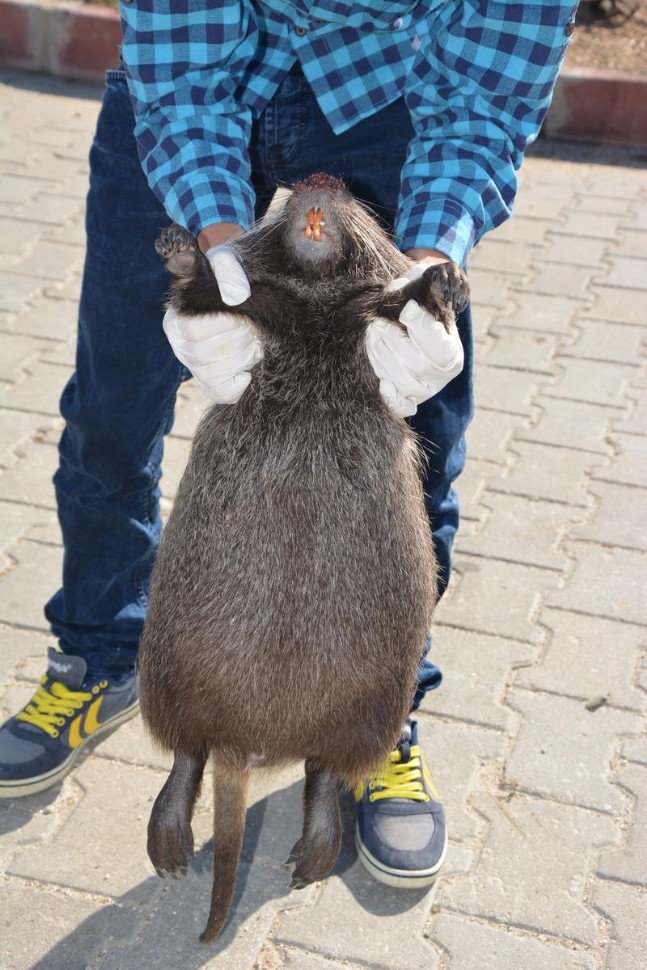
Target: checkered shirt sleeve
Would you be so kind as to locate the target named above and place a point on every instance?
(477, 77)
(183, 63)
(481, 83)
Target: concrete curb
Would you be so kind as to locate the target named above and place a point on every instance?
(602, 106)
(70, 39)
(80, 40)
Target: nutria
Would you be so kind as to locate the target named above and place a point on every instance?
(296, 577)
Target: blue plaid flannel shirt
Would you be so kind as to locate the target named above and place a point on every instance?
(476, 75)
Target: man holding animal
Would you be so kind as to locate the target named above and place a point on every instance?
(424, 110)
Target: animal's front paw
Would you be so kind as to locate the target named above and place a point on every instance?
(444, 290)
(178, 247)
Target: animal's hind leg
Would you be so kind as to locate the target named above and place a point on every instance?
(170, 839)
(316, 851)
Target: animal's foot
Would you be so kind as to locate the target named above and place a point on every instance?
(445, 291)
(313, 857)
(178, 247)
(170, 844)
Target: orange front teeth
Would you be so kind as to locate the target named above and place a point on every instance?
(313, 224)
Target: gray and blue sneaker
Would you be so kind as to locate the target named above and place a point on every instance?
(40, 744)
(401, 836)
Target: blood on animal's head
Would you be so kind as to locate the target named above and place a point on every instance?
(319, 181)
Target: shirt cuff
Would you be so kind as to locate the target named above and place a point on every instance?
(441, 224)
(202, 200)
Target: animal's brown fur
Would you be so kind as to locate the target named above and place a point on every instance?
(296, 577)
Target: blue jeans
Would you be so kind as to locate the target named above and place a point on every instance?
(119, 404)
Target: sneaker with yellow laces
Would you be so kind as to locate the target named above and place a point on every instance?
(40, 744)
(400, 834)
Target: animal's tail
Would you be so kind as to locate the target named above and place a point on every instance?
(230, 799)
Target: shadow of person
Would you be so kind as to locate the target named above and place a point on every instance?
(158, 922)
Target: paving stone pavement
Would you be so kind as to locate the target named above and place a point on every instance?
(537, 739)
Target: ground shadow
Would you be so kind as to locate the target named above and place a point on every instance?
(49, 84)
(157, 923)
(587, 153)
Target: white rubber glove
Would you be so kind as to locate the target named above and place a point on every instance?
(415, 364)
(219, 349)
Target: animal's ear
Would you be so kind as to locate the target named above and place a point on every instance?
(179, 248)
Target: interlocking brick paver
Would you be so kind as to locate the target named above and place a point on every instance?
(16, 238)
(59, 930)
(470, 486)
(626, 907)
(14, 430)
(578, 425)
(182, 908)
(588, 657)
(635, 749)
(613, 522)
(575, 250)
(16, 647)
(527, 350)
(29, 479)
(513, 883)
(457, 752)
(616, 305)
(605, 582)
(636, 422)
(617, 342)
(473, 945)
(628, 272)
(38, 389)
(521, 530)
(49, 261)
(17, 520)
(576, 771)
(631, 243)
(114, 863)
(292, 959)
(592, 225)
(496, 597)
(15, 352)
(505, 389)
(605, 204)
(595, 381)
(543, 312)
(629, 466)
(522, 229)
(48, 209)
(489, 434)
(559, 279)
(546, 472)
(34, 577)
(513, 258)
(385, 928)
(627, 864)
(488, 288)
(477, 669)
(53, 319)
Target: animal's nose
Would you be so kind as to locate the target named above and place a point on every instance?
(314, 222)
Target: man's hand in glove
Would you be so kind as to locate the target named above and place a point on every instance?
(417, 360)
(220, 349)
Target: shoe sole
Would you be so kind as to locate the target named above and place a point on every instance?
(398, 878)
(30, 786)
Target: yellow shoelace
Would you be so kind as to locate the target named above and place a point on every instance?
(400, 779)
(51, 705)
